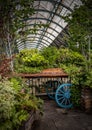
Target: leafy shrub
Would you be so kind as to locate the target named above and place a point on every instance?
(7, 104)
(74, 73)
(26, 69)
(76, 95)
(67, 56)
(50, 54)
(15, 104)
(30, 61)
(17, 83)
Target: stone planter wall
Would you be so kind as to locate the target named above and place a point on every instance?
(34, 115)
(86, 100)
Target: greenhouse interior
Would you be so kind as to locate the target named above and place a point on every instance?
(46, 65)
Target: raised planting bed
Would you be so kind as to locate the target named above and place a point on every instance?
(27, 125)
(86, 100)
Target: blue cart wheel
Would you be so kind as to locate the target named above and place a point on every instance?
(63, 95)
(51, 87)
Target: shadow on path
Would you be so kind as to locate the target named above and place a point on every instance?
(56, 118)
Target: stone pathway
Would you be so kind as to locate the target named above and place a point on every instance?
(56, 118)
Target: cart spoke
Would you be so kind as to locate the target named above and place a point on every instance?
(63, 101)
(68, 101)
(59, 94)
(61, 91)
(60, 98)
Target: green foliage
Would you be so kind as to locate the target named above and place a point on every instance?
(7, 96)
(50, 54)
(79, 71)
(7, 104)
(74, 72)
(13, 25)
(88, 82)
(15, 104)
(30, 61)
(19, 117)
(35, 60)
(80, 27)
(26, 69)
(76, 95)
(67, 56)
(79, 40)
(86, 77)
(15, 12)
(16, 83)
(72, 63)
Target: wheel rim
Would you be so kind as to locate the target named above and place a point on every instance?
(63, 95)
(51, 87)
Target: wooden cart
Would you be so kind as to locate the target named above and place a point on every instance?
(53, 82)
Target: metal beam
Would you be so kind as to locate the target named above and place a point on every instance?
(21, 43)
(47, 11)
(48, 27)
(35, 37)
(60, 3)
(39, 18)
(24, 40)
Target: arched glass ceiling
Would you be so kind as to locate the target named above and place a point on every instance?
(48, 13)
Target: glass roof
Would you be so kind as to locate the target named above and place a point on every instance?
(48, 13)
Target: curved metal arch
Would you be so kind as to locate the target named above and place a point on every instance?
(46, 32)
(49, 33)
(20, 48)
(48, 28)
(46, 20)
(41, 45)
(45, 39)
(51, 21)
(31, 43)
(60, 3)
(26, 47)
(29, 40)
(47, 11)
(35, 37)
(56, 44)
